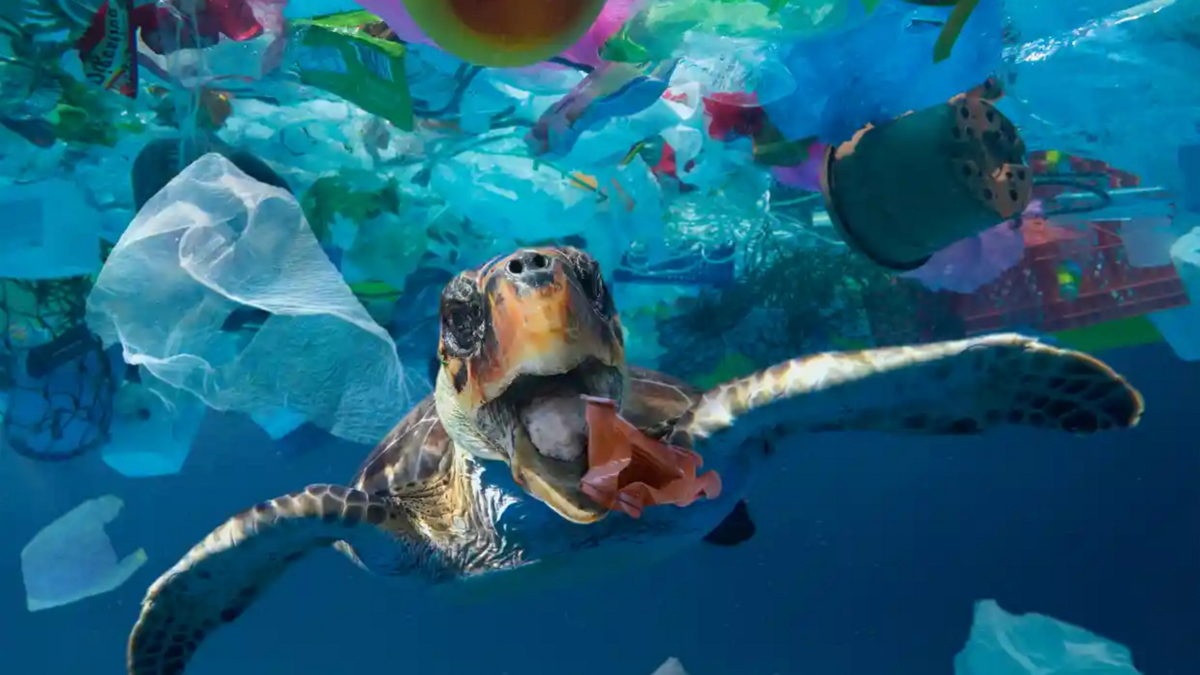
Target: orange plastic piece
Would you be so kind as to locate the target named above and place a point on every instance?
(629, 471)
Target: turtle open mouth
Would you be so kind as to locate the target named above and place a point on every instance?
(547, 418)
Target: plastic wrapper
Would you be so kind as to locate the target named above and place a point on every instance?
(340, 55)
(1033, 644)
(611, 90)
(629, 471)
(72, 558)
(219, 288)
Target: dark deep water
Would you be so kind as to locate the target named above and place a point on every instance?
(867, 562)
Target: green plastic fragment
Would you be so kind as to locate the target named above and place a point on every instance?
(338, 55)
(954, 25)
(1130, 332)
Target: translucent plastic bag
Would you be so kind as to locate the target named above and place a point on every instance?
(72, 558)
(1034, 644)
(1145, 53)
(220, 288)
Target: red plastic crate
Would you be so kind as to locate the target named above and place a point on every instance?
(1105, 287)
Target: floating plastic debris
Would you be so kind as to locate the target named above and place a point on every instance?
(1034, 644)
(1181, 326)
(153, 427)
(220, 288)
(671, 666)
(72, 558)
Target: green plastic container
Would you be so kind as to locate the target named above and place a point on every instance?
(901, 191)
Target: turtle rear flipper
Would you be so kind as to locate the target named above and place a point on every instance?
(956, 387)
(219, 578)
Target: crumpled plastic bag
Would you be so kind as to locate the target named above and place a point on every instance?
(1033, 644)
(72, 558)
(220, 288)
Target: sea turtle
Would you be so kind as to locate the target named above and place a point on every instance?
(482, 480)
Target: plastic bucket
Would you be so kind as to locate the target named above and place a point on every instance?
(901, 191)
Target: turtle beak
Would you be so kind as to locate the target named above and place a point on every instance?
(551, 344)
(556, 483)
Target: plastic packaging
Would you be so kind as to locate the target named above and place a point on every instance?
(339, 55)
(219, 287)
(611, 90)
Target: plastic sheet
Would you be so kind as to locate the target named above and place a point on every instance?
(629, 471)
(49, 232)
(153, 427)
(1181, 326)
(219, 288)
(966, 265)
(1033, 644)
(72, 558)
(828, 104)
(1141, 50)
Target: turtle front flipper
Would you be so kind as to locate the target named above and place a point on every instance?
(957, 387)
(219, 578)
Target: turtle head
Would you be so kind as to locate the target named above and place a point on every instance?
(523, 339)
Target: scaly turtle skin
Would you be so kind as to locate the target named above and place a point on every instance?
(482, 479)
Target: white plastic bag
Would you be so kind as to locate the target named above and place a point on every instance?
(72, 558)
(219, 287)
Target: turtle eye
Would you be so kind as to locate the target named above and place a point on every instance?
(462, 318)
(594, 287)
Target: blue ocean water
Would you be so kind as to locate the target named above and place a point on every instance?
(221, 281)
(867, 561)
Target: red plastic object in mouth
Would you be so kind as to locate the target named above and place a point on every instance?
(629, 471)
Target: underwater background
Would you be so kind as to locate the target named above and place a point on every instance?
(867, 561)
(688, 148)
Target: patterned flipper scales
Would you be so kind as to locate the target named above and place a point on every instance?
(957, 387)
(215, 582)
